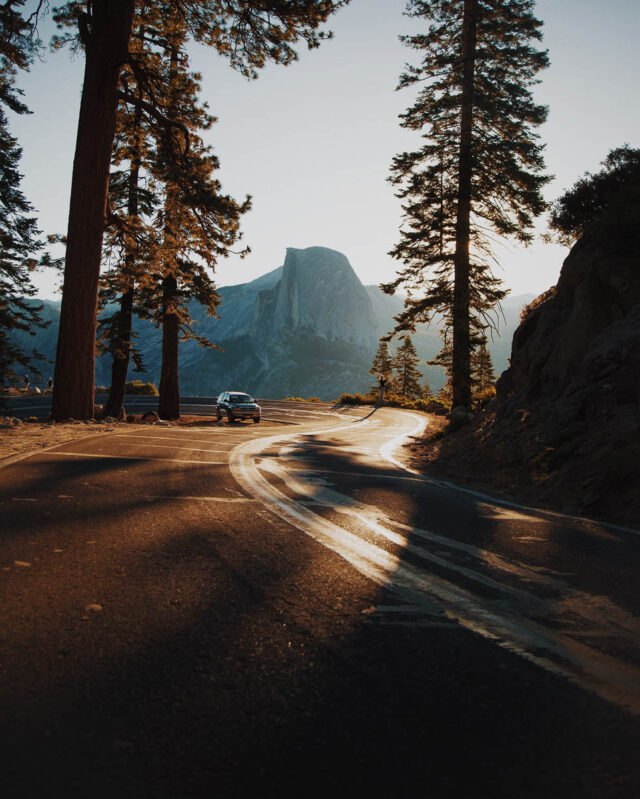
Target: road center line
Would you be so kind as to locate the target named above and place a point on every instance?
(170, 438)
(132, 458)
(177, 446)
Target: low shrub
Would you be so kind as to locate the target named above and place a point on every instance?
(431, 405)
(357, 399)
(483, 398)
(302, 399)
(437, 406)
(138, 387)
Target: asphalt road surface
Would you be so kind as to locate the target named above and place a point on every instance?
(286, 608)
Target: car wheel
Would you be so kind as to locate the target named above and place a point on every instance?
(218, 415)
(229, 417)
(256, 419)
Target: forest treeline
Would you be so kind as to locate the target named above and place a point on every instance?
(146, 200)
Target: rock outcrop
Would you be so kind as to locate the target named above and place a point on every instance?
(568, 407)
(578, 344)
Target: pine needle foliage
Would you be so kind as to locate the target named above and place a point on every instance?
(478, 173)
(482, 373)
(20, 241)
(612, 191)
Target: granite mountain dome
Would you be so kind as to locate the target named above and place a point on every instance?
(319, 294)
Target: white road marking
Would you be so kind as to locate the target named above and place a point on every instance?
(133, 458)
(387, 449)
(553, 650)
(169, 438)
(178, 446)
(232, 500)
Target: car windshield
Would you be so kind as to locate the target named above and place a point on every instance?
(236, 399)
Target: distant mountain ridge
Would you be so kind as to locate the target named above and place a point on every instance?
(306, 328)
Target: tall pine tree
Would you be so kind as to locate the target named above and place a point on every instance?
(19, 234)
(382, 366)
(199, 223)
(479, 170)
(130, 244)
(482, 374)
(249, 34)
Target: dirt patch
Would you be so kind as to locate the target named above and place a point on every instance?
(32, 436)
(19, 438)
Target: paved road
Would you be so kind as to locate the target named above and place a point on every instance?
(240, 609)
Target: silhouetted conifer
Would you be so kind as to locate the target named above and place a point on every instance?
(382, 365)
(479, 169)
(405, 366)
(482, 374)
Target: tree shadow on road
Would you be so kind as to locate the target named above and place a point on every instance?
(235, 656)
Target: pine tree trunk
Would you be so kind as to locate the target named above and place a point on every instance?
(169, 402)
(106, 45)
(461, 358)
(120, 365)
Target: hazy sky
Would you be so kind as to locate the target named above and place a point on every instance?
(312, 143)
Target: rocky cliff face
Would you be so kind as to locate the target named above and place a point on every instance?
(319, 293)
(568, 407)
(579, 345)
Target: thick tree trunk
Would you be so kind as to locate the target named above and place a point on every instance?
(120, 365)
(461, 358)
(106, 45)
(169, 402)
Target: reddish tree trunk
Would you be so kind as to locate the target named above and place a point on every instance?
(461, 357)
(106, 45)
(169, 401)
(120, 365)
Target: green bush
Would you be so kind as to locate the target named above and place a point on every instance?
(437, 407)
(138, 387)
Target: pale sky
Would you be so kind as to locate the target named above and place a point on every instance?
(313, 142)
